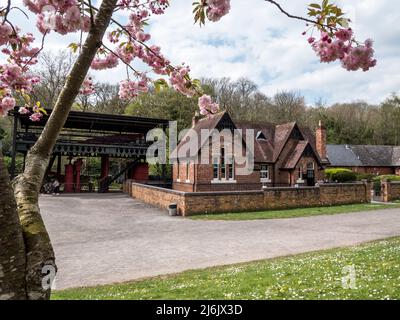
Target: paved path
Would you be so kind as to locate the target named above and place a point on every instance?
(109, 238)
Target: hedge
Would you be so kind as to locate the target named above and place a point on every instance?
(340, 175)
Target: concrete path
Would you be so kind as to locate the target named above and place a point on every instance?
(101, 239)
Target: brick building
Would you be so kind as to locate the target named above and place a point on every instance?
(379, 160)
(284, 155)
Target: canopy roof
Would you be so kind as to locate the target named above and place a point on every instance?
(99, 122)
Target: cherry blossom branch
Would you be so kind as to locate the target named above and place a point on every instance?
(132, 38)
(296, 17)
(22, 11)
(37, 53)
(143, 4)
(7, 10)
(116, 55)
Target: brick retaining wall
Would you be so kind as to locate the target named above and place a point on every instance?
(241, 201)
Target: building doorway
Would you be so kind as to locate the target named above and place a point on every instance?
(310, 178)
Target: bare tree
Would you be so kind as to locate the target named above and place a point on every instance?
(53, 69)
(288, 106)
(107, 99)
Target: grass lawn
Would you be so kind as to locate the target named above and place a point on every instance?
(293, 213)
(316, 275)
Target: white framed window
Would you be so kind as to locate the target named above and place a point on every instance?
(299, 173)
(223, 171)
(231, 169)
(264, 173)
(215, 168)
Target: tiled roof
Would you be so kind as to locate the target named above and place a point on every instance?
(263, 148)
(282, 133)
(204, 123)
(310, 137)
(363, 155)
(294, 157)
(374, 156)
(396, 156)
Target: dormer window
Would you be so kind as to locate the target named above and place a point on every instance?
(260, 136)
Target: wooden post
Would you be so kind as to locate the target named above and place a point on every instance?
(105, 167)
(59, 166)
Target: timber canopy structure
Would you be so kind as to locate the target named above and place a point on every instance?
(87, 134)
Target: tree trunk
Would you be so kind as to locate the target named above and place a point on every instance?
(40, 255)
(12, 249)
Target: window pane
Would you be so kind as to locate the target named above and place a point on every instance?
(215, 172)
(223, 171)
(263, 176)
(264, 171)
(230, 166)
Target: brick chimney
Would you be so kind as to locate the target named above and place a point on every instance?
(195, 119)
(320, 139)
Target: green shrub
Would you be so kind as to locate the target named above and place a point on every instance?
(365, 176)
(377, 187)
(340, 175)
(344, 176)
(390, 177)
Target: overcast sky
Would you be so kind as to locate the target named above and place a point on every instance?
(256, 41)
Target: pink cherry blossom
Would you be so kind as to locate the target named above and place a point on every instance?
(5, 33)
(207, 106)
(129, 89)
(341, 47)
(360, 57)
(109, 62)
(6, 104)
(180, 81)
(344, 34)
(62, 16)
(23, 110)
(128, 52)
(36, 116)
(217, 9)
(87, 87)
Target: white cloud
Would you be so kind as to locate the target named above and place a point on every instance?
(256, 41)
(271, 51)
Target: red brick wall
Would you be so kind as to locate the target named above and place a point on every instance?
(373, 170)
(156, 196)
(238, 201)
(201, 176)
